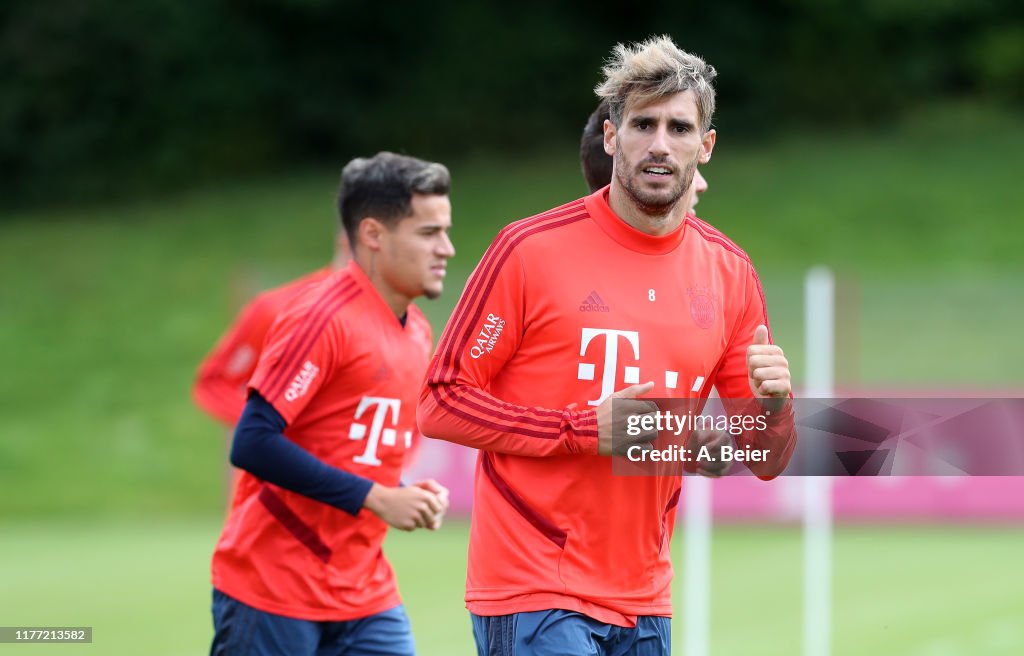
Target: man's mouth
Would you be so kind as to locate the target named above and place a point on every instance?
(439, 270)
(658, 171)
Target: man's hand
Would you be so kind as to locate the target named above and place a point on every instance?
(767, 369)
(609, 426)
(714, 440)
(405, 508)
(441, 491)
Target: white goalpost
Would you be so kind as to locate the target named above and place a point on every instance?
(697, 566)
(819, 328)
(819, 334)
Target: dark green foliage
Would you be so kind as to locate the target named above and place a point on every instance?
(99, 96)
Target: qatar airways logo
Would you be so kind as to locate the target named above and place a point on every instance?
(630, 374)
(488, 336)
(300, 384)
(376, 434)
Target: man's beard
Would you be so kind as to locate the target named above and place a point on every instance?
(652, 203)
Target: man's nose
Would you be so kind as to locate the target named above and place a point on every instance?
(659, 143)
(446, 247)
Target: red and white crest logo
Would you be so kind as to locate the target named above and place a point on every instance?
(702, 307)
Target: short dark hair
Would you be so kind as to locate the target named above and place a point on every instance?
(382, 187)
(596, 164)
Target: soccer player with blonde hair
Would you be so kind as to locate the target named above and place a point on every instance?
(617, 295)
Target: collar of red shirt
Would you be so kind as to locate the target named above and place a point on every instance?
(627, 235)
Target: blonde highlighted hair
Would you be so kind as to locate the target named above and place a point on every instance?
(652, 70)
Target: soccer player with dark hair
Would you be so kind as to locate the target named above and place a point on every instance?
(597, 164)
(619, 294)
(329, 420)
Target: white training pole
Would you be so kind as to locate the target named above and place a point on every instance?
(697, 566)
(819, 328)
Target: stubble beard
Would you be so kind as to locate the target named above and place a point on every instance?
(653, 204)
(432, 289)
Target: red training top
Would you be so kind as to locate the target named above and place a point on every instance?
(345, 374)
(564, 309)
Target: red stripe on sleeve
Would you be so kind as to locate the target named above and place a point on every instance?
(482, 421)
(312, 337)
(764, 303)
(300, 331)
(478, 289)
(488, 267)
(510, 422)
(710, 233)
(302, 340)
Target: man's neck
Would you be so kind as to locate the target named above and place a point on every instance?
(627, 209)
(340, 260)
(399, 303)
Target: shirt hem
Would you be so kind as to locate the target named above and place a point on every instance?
(608, 612)
(301, 612)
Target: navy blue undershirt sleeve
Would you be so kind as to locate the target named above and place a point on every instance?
(260, 448)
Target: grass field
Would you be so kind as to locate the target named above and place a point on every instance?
(911, 591)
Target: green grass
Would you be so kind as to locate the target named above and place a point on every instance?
(906, 591)
(106, 311)
(918, 591)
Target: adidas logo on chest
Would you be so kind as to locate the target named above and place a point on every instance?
(594, 303)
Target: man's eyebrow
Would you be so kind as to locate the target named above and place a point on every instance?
(681, 123)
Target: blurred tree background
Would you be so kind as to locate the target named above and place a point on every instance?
(101, 97)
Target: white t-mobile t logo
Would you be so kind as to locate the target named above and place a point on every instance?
(630, 376)
(378, 434)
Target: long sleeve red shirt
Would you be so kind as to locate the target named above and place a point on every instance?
(564, 309)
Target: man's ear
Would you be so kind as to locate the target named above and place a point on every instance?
(707, 146)
(609, 137)
(369, 233)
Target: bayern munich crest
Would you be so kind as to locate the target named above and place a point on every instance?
(702, 307)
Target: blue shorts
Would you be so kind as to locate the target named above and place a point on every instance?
(241, 630)
(558, 632)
